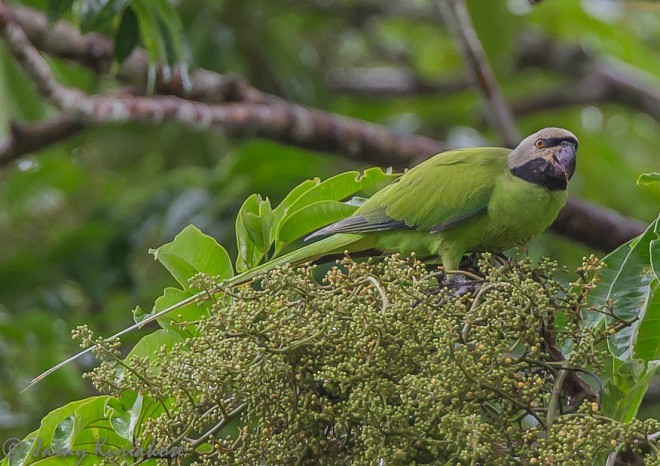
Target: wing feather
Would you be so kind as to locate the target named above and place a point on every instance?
(437, 195)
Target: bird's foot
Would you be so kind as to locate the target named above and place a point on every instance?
(462, 285)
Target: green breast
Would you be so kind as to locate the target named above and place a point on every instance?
(519, 210)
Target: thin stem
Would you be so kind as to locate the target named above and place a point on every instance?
(457, 18)
(225, 420)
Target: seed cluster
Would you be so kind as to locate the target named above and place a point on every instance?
(381, 363)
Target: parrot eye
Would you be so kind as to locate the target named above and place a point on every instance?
(540, 143)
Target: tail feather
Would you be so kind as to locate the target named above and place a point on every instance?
(328, 246)
(360, 224)
(335, 244)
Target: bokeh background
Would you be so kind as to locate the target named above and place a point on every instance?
(77, 218)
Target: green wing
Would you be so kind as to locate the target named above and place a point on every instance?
(436, 195)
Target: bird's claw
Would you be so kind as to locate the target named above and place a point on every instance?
(462, 285)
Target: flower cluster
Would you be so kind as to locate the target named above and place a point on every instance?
(384, 362)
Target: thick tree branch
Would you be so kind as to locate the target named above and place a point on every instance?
(96, 52)
(291, 124)
(280, 121)
(23, 139)
(610, 79)
(602, 229)
(498, 113)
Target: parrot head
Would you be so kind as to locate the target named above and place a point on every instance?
(546, 158)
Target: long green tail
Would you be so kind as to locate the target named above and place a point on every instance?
(335, 244)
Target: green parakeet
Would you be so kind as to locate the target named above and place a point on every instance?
(480, 199)
(477, 199)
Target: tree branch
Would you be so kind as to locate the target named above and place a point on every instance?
(612, 80)
(291, 124)
(602, 229)
(23, 139)
(281, 121)
(458, 21)
(96, 52)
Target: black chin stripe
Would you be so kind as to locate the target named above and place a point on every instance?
(554, 142)
(539, 172)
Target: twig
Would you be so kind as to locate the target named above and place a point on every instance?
(380, 289)
(499, 115)
(555, 401)
(225, 420)
(574, 386)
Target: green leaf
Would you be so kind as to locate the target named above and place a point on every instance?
(189, 313)
(124, 415)
(127, 35)
(258, 226)
(171, 30)
(625, 387)
(312, 217)
(340, 187)
(70, 435)
(647, 344)
(281, 210)
(95, 13)
(150, 344)
(337, 188)
(58, 8)
(654, 249)
(161, 31)
(170, 297)
(646, 179)
(627, 281)
(149, 30)
(193, 252)
(253, 232)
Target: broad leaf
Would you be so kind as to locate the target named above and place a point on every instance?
(150, 344)
(193, 252)
(312, 217)
(257, 222)
(625, 386)
(626, 281)
(188, 313)
(339, 187)
(631, 285)
(281, 210)
(75, 432)
(124, 415)
(647, 344)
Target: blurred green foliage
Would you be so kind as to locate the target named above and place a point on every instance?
(76, 219)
